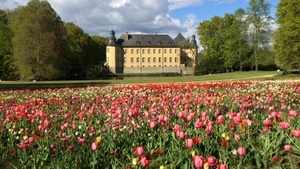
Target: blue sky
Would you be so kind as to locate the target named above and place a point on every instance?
(208, 9)
(98, 17)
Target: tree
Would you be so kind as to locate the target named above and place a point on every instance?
(287, 41)
(6, 66)
(259, 21)
(84, 52)
(236, 45)
(78, 54)
(211, 37)
(39, 41)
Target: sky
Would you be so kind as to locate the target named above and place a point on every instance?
(99, 17)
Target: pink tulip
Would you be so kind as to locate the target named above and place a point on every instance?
(241, 151)
(237, 137)
(198, 161)
(180, 134)
(81, 140)
(220, 119)
(296, 133)
(287, 148)
(222, 166)
(46, 123)
(212, 161)
(152, 124)
(94, 146)
(189, 143)
(139, 151)
(144, 162)
(284, 125)
(176, 127)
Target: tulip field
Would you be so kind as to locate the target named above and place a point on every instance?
(215, 125)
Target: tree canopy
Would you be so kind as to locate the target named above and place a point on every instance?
(259, 20)
(37, 44)
(287, 41)
(39, 41)
(6, 66)
(236, 41)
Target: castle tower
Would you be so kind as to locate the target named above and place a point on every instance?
(111, 52)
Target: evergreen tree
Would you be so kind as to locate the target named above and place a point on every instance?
(39, 41)
(287, 41)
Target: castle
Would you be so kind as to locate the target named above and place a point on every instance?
(146, 53)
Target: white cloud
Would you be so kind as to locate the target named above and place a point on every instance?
(176, 4)
(135, 16)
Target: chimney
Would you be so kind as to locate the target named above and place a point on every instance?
(126, 36)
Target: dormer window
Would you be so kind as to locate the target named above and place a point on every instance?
(170, 43)
(149, 43)
(159, 43)
(138, 42)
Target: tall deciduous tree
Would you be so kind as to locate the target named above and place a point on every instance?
(39, 41)
(235, 45)
(259, 20)
(287, 41)
(211, 37)
(6, 66)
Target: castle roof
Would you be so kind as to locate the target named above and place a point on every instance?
(136, 40)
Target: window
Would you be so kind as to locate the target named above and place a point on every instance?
(175, 50)
(143, 51)
(107, 50)
(159, 59)
(137, 51)
(176, 60)
(124, 59)
(149, 59)
(159, 50)
(137, 60)
(132, 60)
(165, 51)
(125, 51)
(165, 59)
(153, 50)
(154, 59)
(132, 51)
(143, 60)
(170, 59)
(170, 50)
(148, 51)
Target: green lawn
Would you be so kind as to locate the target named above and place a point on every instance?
(232, 76)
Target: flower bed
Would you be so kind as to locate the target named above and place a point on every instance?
(179, 125)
